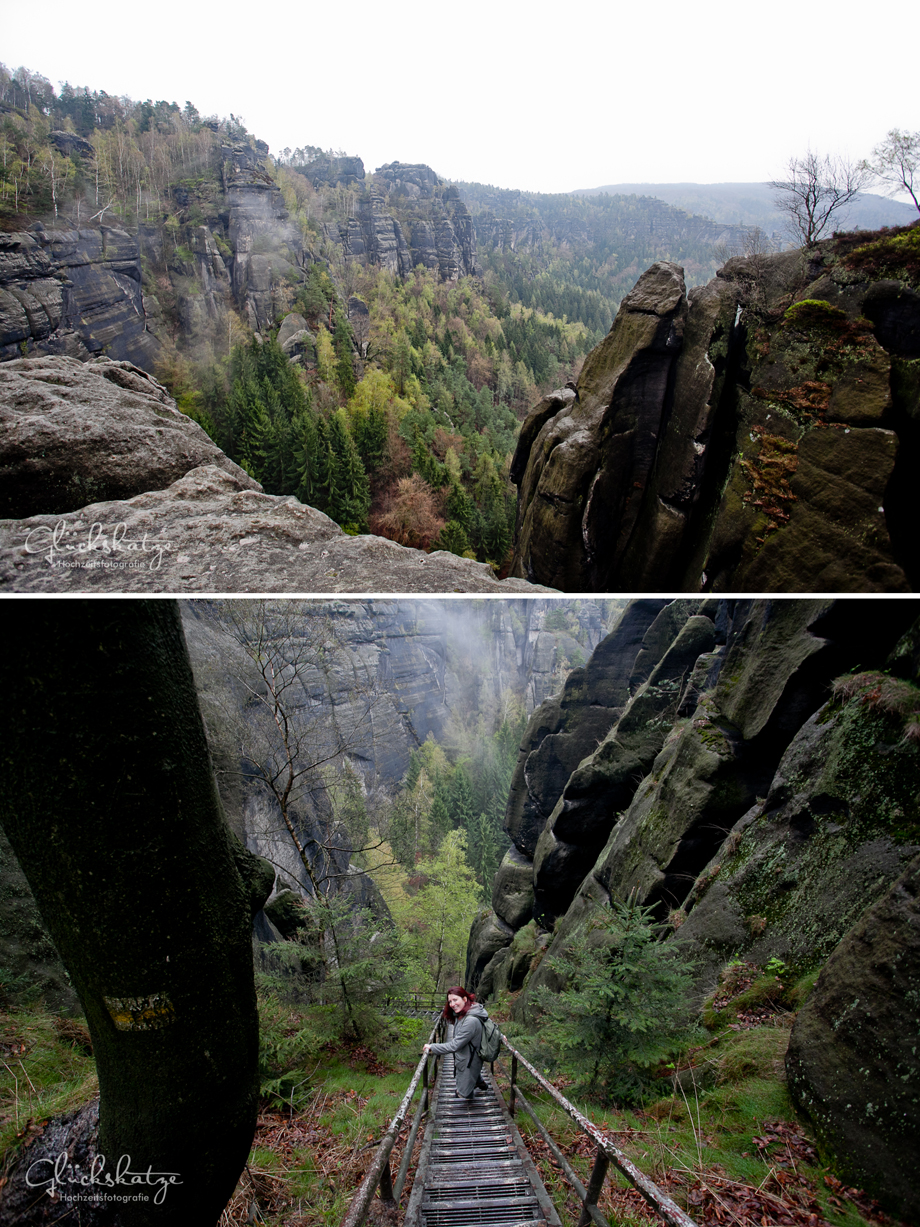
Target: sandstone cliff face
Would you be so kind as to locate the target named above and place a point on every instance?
(704, 698)
(75, 293)
(757, 815)
(756, 437)
(431, 658)
(89, 292)
(433, 663)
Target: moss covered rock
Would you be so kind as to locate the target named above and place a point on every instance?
(853, 1064)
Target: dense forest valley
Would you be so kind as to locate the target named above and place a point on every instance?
(672, 844)
(413, 370)
(399, 353)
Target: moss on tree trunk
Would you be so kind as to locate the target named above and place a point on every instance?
(110, 804)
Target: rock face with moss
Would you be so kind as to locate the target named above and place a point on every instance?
(757, 805)
(852, 1061)
(767, 447)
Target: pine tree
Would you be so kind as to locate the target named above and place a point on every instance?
(625, 1005)
(305, 448)
(349, 495)
(344, 349)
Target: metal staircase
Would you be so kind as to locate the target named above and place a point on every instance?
(474, 1167)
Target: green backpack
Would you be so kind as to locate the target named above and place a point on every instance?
(491, 1043)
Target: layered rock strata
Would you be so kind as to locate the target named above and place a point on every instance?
(75, 293)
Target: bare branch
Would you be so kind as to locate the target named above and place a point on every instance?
(895, 163)
(815, 192)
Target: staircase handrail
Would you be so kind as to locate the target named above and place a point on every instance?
(607, 1153)
(378, 1174)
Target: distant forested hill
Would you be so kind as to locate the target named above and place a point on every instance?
(577, 256)
(751, 204)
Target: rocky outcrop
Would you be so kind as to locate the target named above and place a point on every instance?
(581, 481)
(756, 435)
(73, 433)
(211, 532)
(835, 827)
(75, 293)
(762, 811)
(335, 172)
(414, 180)
(384, 243)
(852, 1062)
(566, 727)
(296, 339)
(705, 698)
(267, 248)
(599, 792)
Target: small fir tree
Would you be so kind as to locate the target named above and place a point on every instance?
(624, 1009)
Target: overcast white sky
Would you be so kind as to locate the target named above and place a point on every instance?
(547, 98)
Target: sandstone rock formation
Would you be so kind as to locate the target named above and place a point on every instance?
(590, 461)
(758, 815)
(441, 228)
(852, 1062)
(73, 433)
(754, 435)
(212, 532)
(429, 657)
(705, 698)
(75, 293)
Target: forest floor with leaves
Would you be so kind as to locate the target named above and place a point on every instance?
(722, 1139)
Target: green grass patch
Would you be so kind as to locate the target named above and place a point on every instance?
(43, 1073)
(729, 1131)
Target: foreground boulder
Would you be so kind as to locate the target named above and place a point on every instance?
(73, 433)
(212, 532)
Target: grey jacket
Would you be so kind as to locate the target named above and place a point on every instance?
(465, 1047)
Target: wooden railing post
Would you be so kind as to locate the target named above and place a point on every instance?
(386, 1187)
(663, 1205)
(595, 1184)
(513, 1086)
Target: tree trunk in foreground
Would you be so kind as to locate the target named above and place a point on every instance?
(110, 805)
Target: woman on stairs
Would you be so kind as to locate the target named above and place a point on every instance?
(467, 1015)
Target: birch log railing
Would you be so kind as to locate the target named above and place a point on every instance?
(379, 1174)
(607, 1153)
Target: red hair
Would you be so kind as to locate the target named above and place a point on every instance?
(468, 999)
